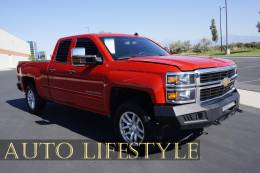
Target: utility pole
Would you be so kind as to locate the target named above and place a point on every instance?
(220, 25)
(88, 28)
(227, 50)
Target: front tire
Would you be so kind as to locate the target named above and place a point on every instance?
(35, 104)
(133, 124)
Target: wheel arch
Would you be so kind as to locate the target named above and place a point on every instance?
(120, 95)
(27, 80)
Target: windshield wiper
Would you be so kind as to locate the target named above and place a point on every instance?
(127, 57)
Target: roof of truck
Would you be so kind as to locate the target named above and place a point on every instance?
(100, 35)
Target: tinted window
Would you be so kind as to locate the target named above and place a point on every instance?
(89, 45)
(129, 47)
(63, 50)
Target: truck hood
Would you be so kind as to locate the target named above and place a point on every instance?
(185, 63)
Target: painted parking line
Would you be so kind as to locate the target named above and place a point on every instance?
(6, 69)
(249, 98)
(247, 67)
(248, 81)
(241, 57)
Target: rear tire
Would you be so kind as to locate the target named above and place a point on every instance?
(133, 124)
(34, 102)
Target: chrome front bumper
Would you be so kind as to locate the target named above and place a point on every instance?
(198, 115)
(221, 99)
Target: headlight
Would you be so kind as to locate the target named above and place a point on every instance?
(180, 87)
(181, 79)
(181, 96)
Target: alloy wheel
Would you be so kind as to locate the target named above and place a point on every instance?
(131, 127)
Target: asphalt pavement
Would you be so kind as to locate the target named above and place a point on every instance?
(232, 146)
(249, 73)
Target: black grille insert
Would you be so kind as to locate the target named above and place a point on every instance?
(216, 76)
(211, 93)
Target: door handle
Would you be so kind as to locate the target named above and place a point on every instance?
(71, 71)
(52, 70)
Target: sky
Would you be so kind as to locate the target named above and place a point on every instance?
(163, 20)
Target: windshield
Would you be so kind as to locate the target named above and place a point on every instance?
(129, 47)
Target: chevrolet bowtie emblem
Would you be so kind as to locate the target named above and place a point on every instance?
(226, 82)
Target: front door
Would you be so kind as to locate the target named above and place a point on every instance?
(87, 83)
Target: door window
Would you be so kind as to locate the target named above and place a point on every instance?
(89, 45)
(63, 51)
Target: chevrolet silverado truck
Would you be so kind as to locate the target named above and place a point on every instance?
(134, 81)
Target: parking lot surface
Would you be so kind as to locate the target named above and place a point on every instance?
(249, 73)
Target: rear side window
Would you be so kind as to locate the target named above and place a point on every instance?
(63, 51)
(89, 45)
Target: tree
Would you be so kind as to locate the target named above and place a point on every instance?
(202, 46)
(214, 31)
(187, 45)
(179, 46)
(176, 47)
(205, 44)
(197, 48)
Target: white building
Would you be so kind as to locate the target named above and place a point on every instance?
(12, 50)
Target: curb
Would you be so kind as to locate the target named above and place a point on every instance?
(249, 98)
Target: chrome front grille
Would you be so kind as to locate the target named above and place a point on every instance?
(213, 92)
(216, 76)
(210, 82)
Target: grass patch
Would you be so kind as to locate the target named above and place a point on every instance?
(239, 52)
(249, 52)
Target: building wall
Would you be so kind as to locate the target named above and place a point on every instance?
(12, 50)
(7, 61)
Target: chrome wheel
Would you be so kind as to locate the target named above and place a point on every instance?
(31, 99)
(131, 127)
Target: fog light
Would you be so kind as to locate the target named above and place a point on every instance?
(181, 96)
(171, 95)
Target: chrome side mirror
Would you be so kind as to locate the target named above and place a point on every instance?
(79, 57)
(78, 52)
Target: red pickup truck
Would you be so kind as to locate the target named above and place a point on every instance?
(134, 81)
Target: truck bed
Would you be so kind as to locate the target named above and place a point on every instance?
(39, 65)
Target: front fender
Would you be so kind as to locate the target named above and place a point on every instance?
(152, 83)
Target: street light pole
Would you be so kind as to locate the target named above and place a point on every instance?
(88, 28)
(220, 25)
(227, 51)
